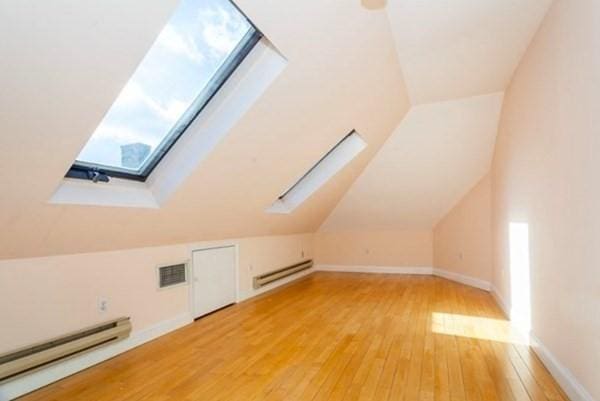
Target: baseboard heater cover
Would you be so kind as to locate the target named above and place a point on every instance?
(267, 278)
(31, 358)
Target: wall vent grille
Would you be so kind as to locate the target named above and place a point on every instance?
(169, 276)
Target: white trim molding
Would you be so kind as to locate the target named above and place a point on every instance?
(561, 373)
(461, 278)
(567, 381)
(28, 383)
(421, 270)
(375, 269)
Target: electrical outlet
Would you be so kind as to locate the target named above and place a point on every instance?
(102, 305)
(250, 268)
(302, 254)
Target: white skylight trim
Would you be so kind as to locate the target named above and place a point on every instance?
(247, 84)
(335, 160)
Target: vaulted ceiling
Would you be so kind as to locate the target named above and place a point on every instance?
(439, 151)
(348, 67)
(64, 62)
(457, 57)
(457, 48)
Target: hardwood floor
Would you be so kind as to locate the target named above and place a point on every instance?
(331, 336)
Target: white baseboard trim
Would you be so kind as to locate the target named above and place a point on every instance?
(461, 278)
(375, 269)
(251, 293)
(25, 384)
(470, 281)
(563, 376)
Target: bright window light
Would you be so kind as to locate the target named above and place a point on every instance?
(340, 155)
(482, 328)
(520, 290)
(194, 54)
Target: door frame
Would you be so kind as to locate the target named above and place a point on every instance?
(192, 287)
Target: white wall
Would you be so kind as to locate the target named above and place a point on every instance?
(45, 297)
(546, 187)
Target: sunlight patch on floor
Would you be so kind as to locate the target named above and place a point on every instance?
(481, 328)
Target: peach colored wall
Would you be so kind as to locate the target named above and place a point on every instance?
(462, 240)
(336, 80)
(262, 254)
(411, 248)
(44, 297)
(546, 175)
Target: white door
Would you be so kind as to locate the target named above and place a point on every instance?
(213, 279)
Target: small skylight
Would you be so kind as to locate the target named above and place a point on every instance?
(333, 161)
(194, 54)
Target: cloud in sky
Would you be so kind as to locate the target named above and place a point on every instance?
(222, 29)
(180, 43)
(122, 135)
(169, 110)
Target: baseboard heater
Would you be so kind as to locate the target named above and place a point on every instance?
(37, 356)
(267, 278)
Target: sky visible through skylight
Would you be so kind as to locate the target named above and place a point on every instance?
(195, 42)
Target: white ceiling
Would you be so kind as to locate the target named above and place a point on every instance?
(457, 58)
(64, 62)
(458, 48)
(439, 151)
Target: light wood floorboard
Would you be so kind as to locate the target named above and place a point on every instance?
(331, 336)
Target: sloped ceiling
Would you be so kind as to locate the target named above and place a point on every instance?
(349, 67)
(438, 151)
(64, 62)
(457, 57)
(459, 48)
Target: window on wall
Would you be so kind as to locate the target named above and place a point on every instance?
(192, 57)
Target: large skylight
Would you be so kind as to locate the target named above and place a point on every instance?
(194, 54)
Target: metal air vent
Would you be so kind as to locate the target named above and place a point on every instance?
(172, 275)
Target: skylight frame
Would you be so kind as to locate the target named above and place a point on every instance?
(101, 173)
(317, 164)
(336, 159)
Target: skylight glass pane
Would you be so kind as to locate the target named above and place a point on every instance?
(163, 94)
